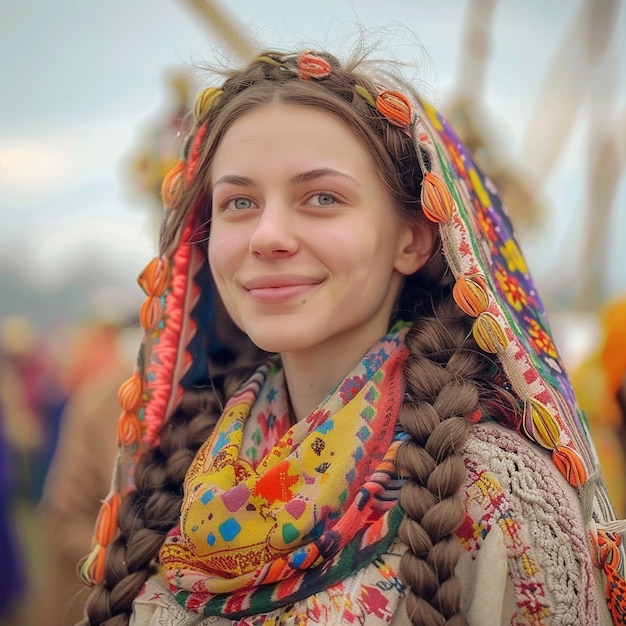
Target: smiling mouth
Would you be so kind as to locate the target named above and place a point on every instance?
(280, 288)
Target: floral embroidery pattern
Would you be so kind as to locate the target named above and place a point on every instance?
(504, 258)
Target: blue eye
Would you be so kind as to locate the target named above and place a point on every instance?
(240, 203)
(323, 199)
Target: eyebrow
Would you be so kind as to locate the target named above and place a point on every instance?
(303, 177)
(320, 172)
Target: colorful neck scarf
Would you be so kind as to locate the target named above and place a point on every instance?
(274, 513)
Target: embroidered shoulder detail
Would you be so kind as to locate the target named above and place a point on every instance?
(370, 597)
(514, 486)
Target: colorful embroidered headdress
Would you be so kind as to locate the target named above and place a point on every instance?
(492, 285)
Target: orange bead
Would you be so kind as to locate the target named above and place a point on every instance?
(395, 106)
(150, 313)
(312, 66)
(128, 429)
(437, 202)
(569, 463)
(155, 277)
(130, 393)
(172, 186)
(470, 294)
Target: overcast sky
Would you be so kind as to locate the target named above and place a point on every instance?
(81, 80)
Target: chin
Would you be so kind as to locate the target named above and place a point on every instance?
(279, 340)
(277, 346)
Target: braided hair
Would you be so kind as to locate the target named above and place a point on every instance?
(449, 380)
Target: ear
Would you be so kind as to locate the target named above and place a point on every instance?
(415, 246)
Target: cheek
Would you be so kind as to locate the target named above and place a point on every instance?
(356, 248)
(213, 256)
(369, 265)
(223, 265)
(224, 249)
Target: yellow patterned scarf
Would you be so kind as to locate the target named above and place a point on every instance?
(273, 513)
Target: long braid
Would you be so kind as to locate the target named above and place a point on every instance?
(153, 508)
(448, 379)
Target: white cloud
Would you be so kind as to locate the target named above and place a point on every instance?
(119, 244)
(30, 166)
(33, 165)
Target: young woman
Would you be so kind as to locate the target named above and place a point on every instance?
(347, 407)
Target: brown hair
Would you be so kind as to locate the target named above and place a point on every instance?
(447, 377)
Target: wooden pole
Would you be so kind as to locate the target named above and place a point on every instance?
(232, 33)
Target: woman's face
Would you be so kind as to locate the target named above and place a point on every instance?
(305, 246)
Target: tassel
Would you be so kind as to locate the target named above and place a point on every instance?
(92, 570)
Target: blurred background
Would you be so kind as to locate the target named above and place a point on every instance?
(93, 96)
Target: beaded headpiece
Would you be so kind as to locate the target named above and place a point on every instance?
(492, 285)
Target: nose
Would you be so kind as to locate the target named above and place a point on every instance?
(273, 235)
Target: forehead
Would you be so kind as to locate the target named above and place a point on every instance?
(295, 131)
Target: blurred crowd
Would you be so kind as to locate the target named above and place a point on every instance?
(59, 413)
(58, 418)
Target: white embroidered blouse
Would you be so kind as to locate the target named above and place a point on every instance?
(526, 559)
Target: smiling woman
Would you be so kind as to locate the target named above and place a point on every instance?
(347, 407)
(285, 211)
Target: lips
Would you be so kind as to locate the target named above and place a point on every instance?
(280, 287)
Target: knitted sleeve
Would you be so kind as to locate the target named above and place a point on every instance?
(527, 557)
